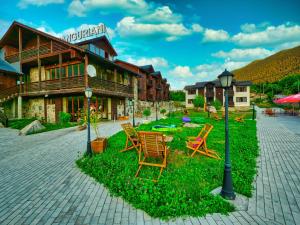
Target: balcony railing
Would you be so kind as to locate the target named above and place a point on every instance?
(31, 53)
(149, 83)
(110, 88)
(53, 85)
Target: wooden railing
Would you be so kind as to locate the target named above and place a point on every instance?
(109, 87)
(31, 53)
(57, 84)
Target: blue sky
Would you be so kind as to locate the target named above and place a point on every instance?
(189, 41)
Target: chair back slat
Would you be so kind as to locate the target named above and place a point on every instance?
(152, 143)
(205, 131)
(129, 130)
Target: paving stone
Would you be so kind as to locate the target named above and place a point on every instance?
(40, 183)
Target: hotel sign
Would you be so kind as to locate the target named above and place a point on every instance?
(86, 33)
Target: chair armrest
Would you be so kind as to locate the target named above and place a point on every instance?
(191, 138)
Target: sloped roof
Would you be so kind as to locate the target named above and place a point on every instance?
(147, 68)
(6, 67)
(216, 83)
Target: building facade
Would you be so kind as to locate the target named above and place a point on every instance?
(52, 76)
(152, 87)
(238, 93)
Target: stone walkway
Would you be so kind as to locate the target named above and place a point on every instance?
(40, 184)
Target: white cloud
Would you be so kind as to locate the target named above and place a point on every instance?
(156, 62)
(25, 3)
(80, 8)
(197, 27)
(244, 54)
(211, 35)
(248, 27)
(162, 15)
(271, 35)
(130, 27)
(181, 72)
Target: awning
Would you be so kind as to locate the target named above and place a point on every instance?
(289, 99)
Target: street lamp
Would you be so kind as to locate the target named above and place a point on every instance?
(88, 93)
(156, 111)
(227, 192)
(208, 109)
(132, 104)
(253, 111)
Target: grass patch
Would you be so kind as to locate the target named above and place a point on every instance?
(185, 185)
(21, 123)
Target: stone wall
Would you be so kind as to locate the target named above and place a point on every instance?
(34, 108)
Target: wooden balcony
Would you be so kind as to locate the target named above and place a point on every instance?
(57, 86)
(110, 88)
(32, 53)
(149, 83)
(209, 94)
(8, 93)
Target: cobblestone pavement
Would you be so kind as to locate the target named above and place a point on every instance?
(40, 184)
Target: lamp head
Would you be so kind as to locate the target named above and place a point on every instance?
(88, 92)
(225, 79)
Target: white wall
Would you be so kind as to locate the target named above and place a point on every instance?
(187, 97)
(242, 94)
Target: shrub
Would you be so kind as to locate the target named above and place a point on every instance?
(64, 117)
(163, 111)
(199, 101)
(146, 113)
(217, 104)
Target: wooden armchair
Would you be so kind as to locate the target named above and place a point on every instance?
(198, 144)
(152, 146)
(132, 140)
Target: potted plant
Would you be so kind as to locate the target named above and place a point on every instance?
(99, 144)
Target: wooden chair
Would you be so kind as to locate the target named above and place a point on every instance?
(198, 144)
(152, 145)
(132, 140)
(240, 119)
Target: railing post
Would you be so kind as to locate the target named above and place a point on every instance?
(60, 69)
(39, 61)
(86, 79)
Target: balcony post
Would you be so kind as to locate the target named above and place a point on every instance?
(115, 79)
(60, 69)
(20, 47)
(39, 61)
(86, 79)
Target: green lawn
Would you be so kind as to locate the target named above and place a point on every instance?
(185, 185)
(21, 123)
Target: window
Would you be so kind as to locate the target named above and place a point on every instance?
(75, 68)
(52, 74)
(241, 89)
(81, 69)
(57, 73)
(70, 71)
(191, 92)
(63, 72)
(241, 99)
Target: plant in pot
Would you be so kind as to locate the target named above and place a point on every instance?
(99, 144)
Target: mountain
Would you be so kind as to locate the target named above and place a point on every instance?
(272, 68)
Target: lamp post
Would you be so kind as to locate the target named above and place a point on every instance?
(227, 192)
(156, 111)
(88, 93)
(208, 109)
(253, 111)
(133, 119)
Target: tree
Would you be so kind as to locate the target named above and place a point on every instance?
(146, 113)
(217, 104)
(199, 101)
(163, 111)
(178, 96)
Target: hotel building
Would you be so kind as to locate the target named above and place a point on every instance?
(238, 93)
(44, 75)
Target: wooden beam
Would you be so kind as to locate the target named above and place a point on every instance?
(60, 68)
(39, 61)
(20, 45)
(51, 46)
(86, 62)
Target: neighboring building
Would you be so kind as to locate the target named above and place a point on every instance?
(151, 86)
(238, 93)
(54, 76)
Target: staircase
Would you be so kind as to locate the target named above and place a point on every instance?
(9, 93)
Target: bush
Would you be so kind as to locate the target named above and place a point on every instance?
(217, 104)
(147, 113)
(199, 101)
(163, 111)
(64, 117)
